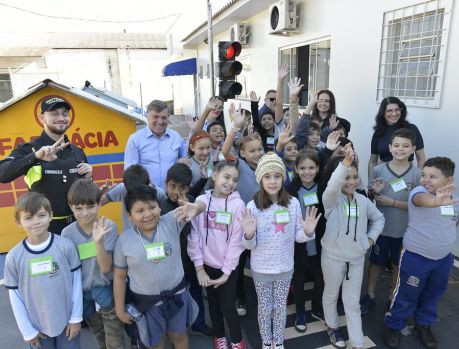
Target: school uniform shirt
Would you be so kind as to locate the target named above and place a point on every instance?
(221, 157)
(431, 232)
(150, 277)
(90, 271)
(397, 188)
(273, 245)
(380, 145)
(349, 222)
(196, 172)
(212, 242)
(51, 297)
(247, 186)
(308, 197)
(118, 193)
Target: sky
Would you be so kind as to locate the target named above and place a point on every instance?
(158, 16)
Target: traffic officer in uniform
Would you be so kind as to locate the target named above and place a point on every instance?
(49, 163)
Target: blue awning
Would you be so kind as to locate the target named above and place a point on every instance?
(185, 67)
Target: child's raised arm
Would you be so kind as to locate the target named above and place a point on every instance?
(295, 87)
(249, 224)
(281, 75)
(443, 197)
(238, 121)
(331, 194)
(284, 138)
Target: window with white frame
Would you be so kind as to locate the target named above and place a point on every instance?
(311, 63)
(413, 51)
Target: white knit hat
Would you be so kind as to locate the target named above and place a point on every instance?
(269, 162)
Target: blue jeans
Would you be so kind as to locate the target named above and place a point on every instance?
(59, 342)
(421, 282)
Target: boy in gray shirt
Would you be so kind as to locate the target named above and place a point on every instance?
(43, 276)
(426, 258)
(133, 176)
(149, 253)
(95, 240)
(390, 184)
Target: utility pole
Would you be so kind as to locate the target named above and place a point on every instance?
(210, 42)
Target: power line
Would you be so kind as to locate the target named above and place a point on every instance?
(86, 19)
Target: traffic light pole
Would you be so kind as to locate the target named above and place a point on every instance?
(210, 41)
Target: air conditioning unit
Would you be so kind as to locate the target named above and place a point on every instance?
(283, 19)
(239, 32)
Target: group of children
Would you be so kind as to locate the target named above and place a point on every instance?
(295, 207)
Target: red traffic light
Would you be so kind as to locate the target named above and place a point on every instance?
(228, 50)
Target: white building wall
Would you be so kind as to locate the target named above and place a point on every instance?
(354, 28)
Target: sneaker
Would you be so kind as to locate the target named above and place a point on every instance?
(240, 345)
(366, 303)
(267, 346)
(220, 343)
(204, 331)
(300, 323)
(426, 336)
(279, 346)
(391, 337)
(241, 308)
(336, 338)
(318, 315)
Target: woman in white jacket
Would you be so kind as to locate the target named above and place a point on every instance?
(353, 225)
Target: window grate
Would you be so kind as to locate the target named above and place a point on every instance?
(413, 50)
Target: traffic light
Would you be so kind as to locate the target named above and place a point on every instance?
(228, 68)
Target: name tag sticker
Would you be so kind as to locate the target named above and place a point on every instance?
(87, 250)
(155, 251)
(224, 217)
(282, 217)
(41, 265)
(270, 140)
(398, 185)
(351, 211)
(310, 199)
(447, 210)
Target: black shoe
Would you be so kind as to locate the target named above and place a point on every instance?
(426, 336)
(205, 331)
(391, 337)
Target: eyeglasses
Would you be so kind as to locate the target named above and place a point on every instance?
(272, 99)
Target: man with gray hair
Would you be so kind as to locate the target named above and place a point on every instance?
(156, 147)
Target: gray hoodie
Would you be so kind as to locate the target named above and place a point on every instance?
(346, 237)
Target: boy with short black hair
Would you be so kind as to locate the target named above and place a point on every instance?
(178, 181)
(95, 240)
(133, 176)
(426, 259)
(149, 253)
(43, 276)
(390, 185)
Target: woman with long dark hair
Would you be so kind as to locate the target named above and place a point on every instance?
(391, 117)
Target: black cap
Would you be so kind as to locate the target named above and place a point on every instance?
(52, 103)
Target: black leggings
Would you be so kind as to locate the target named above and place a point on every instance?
(302, 262)
(222, 305)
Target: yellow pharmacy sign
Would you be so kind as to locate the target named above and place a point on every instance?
(99, 127)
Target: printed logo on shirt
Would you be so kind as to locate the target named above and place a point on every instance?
(413, 281)
(55, 271)
(211, 223)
